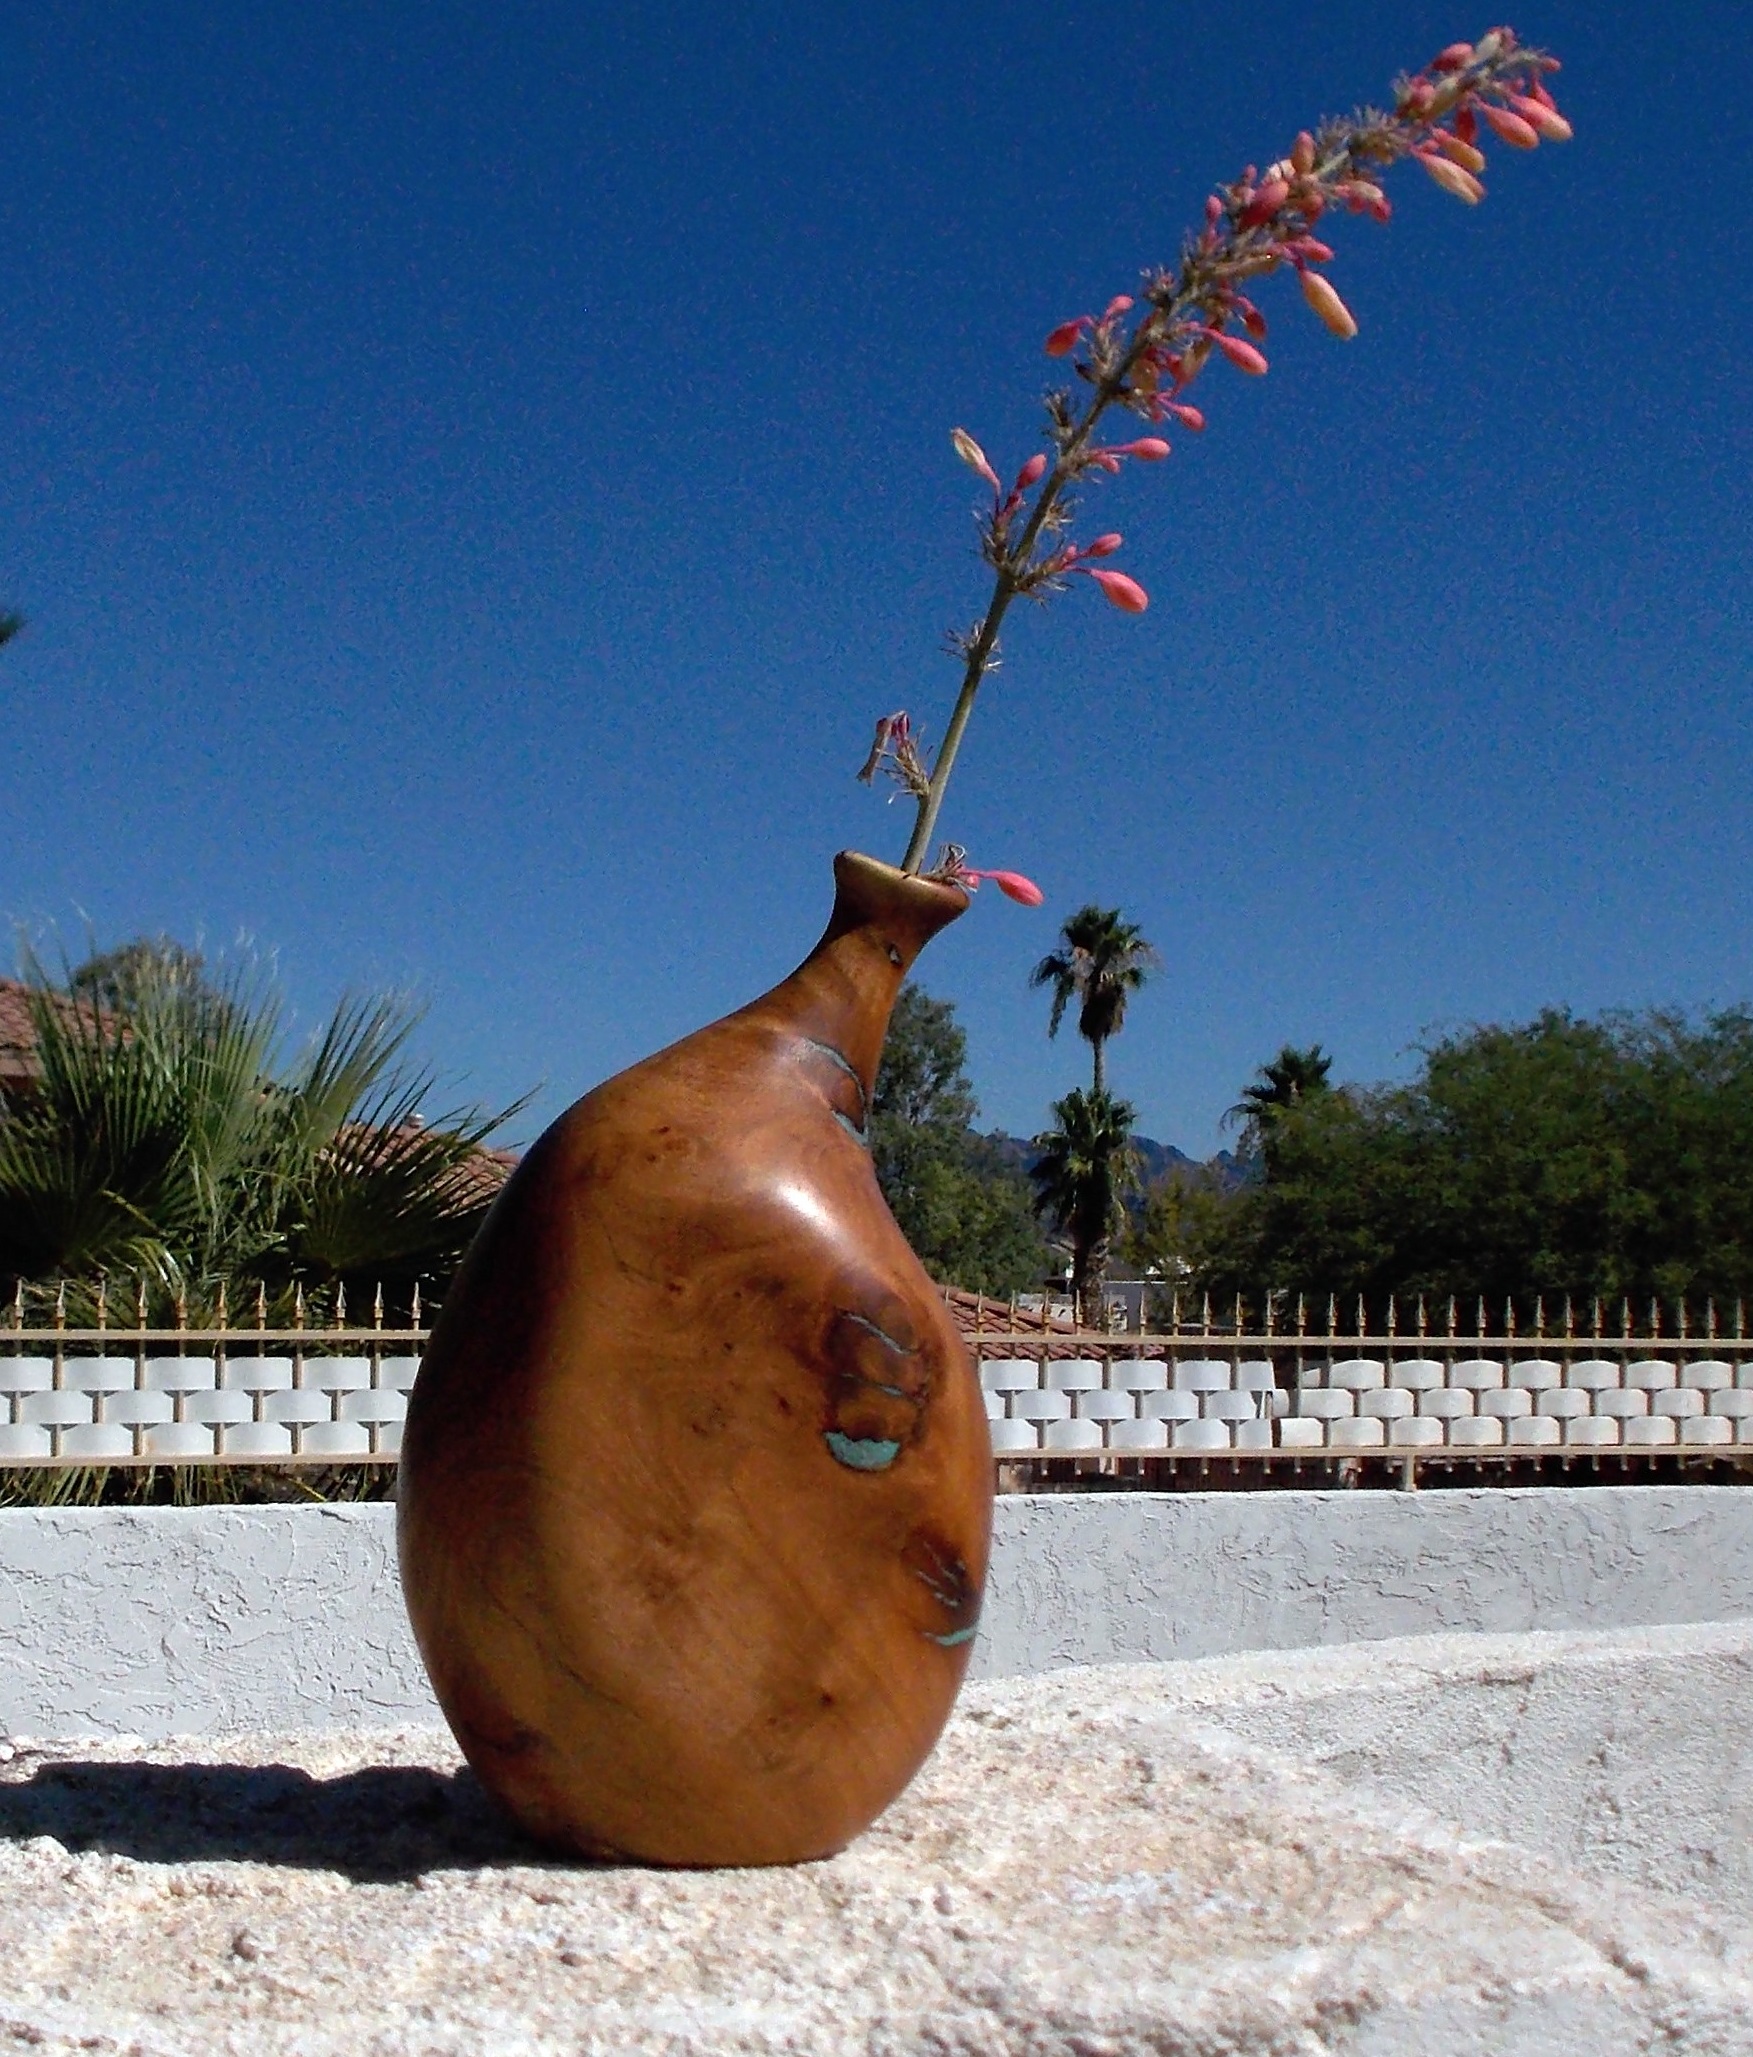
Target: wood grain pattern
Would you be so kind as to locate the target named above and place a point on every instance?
(696, 1485)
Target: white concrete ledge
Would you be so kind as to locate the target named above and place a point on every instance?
(163, 1621)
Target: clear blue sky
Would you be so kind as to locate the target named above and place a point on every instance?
(475, 474)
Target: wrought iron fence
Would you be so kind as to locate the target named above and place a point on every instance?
(192, 1392)
(1280, 1390)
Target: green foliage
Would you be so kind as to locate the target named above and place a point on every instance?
(1611, 1157)
(1083, 1174)
(1101, 962)
(10, 624)
(167, 1136)
(119, 977)
(965, 1212)
(1178, 1232)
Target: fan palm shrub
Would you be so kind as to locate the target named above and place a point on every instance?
(1084, 1171)
(168, 1134)
(1291, 1080)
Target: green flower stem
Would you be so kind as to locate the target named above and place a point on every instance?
(1004, 591)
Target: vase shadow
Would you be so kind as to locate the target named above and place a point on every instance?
(383, 1825)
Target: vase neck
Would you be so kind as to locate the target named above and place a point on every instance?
(844, 991)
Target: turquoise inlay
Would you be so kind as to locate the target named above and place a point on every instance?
(955, 1636)
(870, 1454)
(882, 1335)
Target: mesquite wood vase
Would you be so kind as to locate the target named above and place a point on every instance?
(696, 1483)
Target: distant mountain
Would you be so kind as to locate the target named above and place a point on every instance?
(1157, 1159)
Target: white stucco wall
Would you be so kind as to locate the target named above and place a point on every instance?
(186, 1621)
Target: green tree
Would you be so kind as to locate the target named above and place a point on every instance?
(1100, 963)
(1609, 1157)
(167, 1134)
(965, 1210)
(1176, 1235)
(118, 978)
(1083, 1173)
(10, 624)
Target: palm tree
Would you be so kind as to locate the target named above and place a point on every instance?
(1292, 1078)
(1101, 962)
(164, 1134)
(1085, 1169)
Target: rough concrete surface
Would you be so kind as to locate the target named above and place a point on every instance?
(183, 1621)
(1453, 1846)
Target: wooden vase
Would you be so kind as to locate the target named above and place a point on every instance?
(695, 1491)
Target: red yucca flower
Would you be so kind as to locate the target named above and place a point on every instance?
(1452, 178)
(1508, 128)
(1242, 355)
(1126, 594)
(1327, 304)
(1011, 884)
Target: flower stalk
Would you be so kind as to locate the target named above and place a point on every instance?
(1142, 353)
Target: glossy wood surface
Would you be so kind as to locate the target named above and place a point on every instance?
(696, 1485)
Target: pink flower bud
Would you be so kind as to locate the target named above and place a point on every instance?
(1265, 203)
(974, 457)
(1148, 449)
(1242, 355)
(1509, 128)
(1011, 884)
(1213, 211)
(1118, 305)
(1255, 323)
(1543, 118)
(1104, 546)
(1328, 305)
(1467, 125)
(1454, 58)
(1452, 178)
(1458, 152)
(1302, 154)
(1031, 472)
(1187, 416)
(1417, 97)
(1063, 339)
(1126, 594)
(1015, 887)
(1105, 460)
(1310, 249)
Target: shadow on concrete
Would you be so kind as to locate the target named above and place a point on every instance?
(381, 1826)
